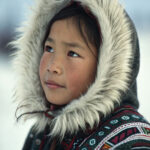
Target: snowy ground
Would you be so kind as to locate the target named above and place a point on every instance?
(12, 134)
(144, 75)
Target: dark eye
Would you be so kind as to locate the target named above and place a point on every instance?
(73, 54)
(49, 49)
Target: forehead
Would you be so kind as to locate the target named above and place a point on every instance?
(68, 26)
(70, 30)
(65, 31)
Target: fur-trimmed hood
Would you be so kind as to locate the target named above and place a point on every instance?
(118, 66)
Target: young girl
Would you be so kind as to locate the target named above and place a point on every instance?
(77, 62)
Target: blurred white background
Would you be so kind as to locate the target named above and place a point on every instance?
(12, 13)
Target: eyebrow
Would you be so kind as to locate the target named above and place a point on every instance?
(50, 40)
(70, 44)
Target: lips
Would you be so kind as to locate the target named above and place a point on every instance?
(53, 85)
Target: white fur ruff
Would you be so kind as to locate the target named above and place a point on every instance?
(113, 69)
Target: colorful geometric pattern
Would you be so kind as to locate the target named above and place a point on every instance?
(124, 125)
(124, 129)
(125, 134)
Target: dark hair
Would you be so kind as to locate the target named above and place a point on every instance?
(83, 16)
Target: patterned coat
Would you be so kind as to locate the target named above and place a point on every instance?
(124, 129)
(110, 102)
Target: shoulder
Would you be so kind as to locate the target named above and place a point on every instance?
(124, 129)
(33, 140)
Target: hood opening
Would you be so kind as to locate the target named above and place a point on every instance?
(118, 66)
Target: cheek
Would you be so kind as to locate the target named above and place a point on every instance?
(42, 66)
(79, 78)
(75, 84)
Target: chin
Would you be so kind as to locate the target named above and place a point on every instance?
(56, 102)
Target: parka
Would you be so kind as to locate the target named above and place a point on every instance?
(106, 116)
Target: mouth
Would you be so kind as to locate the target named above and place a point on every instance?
(53, 85)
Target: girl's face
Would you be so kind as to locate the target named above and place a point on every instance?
(68, 66)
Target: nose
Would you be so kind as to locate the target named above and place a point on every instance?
(55, 65)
